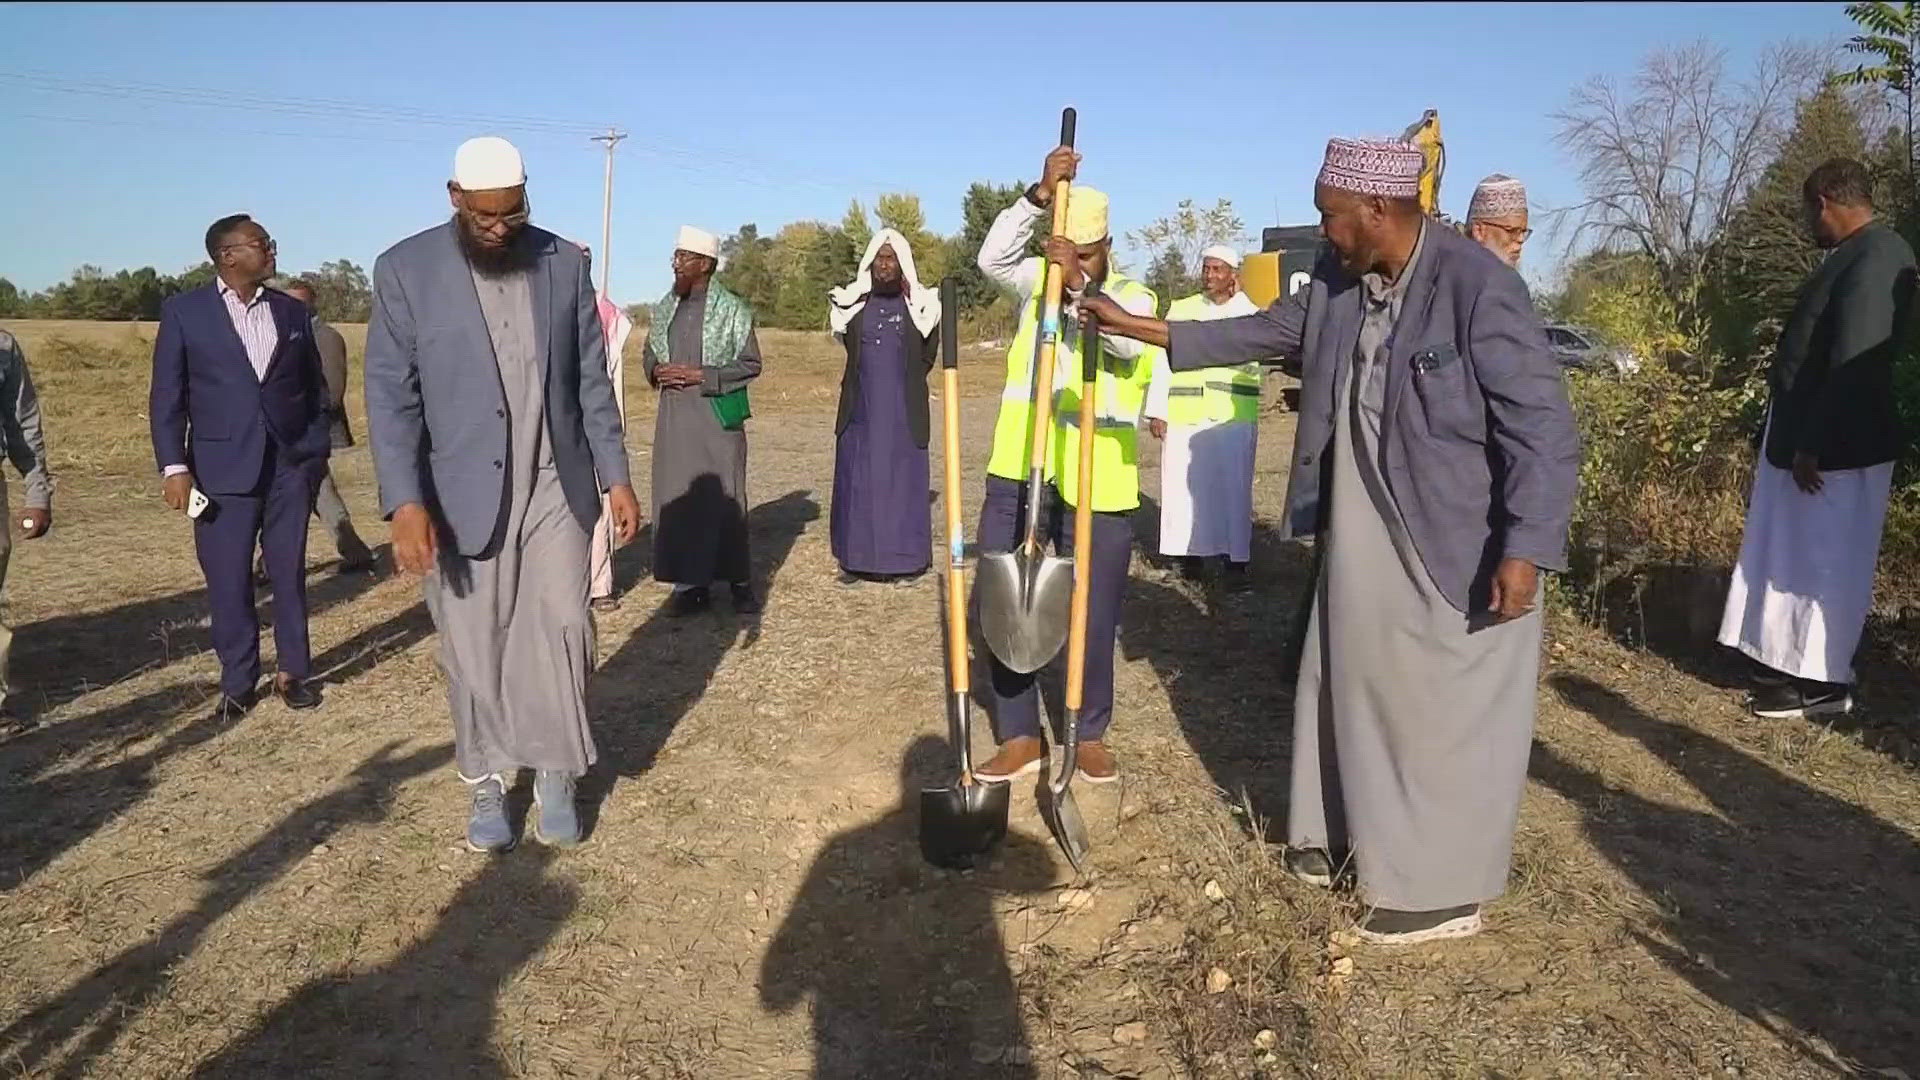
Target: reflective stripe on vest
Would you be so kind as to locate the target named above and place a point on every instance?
(1118, 399)
(1213, 395)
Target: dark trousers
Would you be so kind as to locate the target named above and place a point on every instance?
(273, 515)
(1016, 697)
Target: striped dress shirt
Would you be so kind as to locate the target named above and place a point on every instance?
(253, 320)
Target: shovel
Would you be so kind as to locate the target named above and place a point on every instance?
(1056, 799)
(1024, 592)
(959, 824)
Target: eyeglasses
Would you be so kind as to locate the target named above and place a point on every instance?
(264, 243)
(512, 219)
(685, 257)
(1520, 234)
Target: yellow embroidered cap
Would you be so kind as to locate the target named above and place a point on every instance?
(1086, 215)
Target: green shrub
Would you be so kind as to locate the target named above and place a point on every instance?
(1667, 464)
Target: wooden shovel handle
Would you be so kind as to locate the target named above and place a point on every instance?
(956, 538)
(1050, 329)
(1083, 525)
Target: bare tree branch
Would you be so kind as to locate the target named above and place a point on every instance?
(1665, 163)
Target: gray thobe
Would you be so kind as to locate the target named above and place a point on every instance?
(1412, 720)
(515, 637)
(699, 467)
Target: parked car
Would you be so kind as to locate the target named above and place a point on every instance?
(1581, 349)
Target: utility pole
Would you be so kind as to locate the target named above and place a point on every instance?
(611, 139)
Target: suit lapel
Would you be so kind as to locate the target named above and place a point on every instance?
(543, 313)
(1416, 311)
(223, 328)
(457, 285)
(1342, 330)
(284, 330)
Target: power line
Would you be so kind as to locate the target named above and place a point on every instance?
(697, 160)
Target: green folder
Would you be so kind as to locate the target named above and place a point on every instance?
(731, 409)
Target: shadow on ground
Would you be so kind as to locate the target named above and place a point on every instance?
(428, 1012)
(100, 1006)
(1674, 611)
(43, 812)
(47, 806)
(641, 693)
(1784, 903)
(76, 654)
(1227, 662)
(902, 965)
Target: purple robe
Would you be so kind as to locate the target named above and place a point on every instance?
(881, 522)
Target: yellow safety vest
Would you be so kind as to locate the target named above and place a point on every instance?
(1117, 402)
(1215, 395)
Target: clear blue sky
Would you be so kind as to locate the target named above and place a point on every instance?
(127, 128)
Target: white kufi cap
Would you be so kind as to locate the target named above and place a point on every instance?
(698, 241)
(488, 163)
(1224, 253)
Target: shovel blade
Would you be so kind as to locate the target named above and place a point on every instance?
(1064, 821)
(961, 825)
(1025, 601)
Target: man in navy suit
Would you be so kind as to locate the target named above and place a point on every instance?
(238, 408)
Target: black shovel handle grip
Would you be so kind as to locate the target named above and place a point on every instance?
(1067, 120)
(1090, 341)
(949, 323)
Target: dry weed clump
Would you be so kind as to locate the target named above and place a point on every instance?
(1258, 983)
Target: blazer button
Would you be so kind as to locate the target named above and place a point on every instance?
(500, 413)
(497, 465)
(1306, 459)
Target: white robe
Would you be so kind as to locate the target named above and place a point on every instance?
(614, 326)
(1803, 586)
(1206, 470)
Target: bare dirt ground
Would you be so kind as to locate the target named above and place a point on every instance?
(286, 896)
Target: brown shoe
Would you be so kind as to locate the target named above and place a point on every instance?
(1096, 764)
(1019, 756)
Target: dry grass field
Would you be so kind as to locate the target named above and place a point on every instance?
(1693, 894)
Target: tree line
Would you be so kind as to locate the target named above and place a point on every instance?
(341, 292)
(785, 276)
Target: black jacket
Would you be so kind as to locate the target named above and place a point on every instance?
(1832, 375)
(919, 363)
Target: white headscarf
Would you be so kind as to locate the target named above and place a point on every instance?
(923, 304)
(1224, 253)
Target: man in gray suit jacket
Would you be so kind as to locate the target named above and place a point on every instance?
(1436, 460)
(494, 434)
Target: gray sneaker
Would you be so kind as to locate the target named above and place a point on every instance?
(555, 823)
(488, 830)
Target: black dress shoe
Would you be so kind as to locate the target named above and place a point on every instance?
(232, 707)
(687, 602)
(744, 602)
(298, 694)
